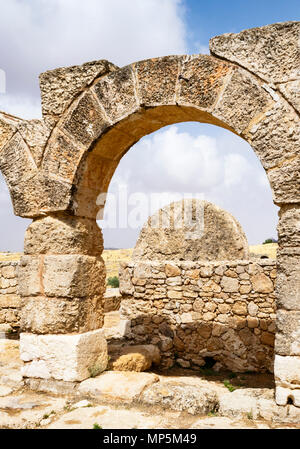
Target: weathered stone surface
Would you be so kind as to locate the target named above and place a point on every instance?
(35, 133)
(135, 358)
(238, 402)
(62, 234)
(63, 357)
(29, 276)
(199, 87)
(112, 300)
(157, 79)
(172, 234)
(172, 270)
(73, 275)
(60, 86)
(62, 156)
(283, 395)
(114, 417)
(288, 332)
(271, 51)
(114, 327)
(201, 80)
(261, 283)
(289, 225)
(192, 313)
(85, 121)
(52, 386)
(42, 315)
(254, 93)
(284, 182)
(115, 386)
(180, 396)
(291, 91)
(287, 371)
(16, 162)
(268, 140)
(126, 287)
(244, 94)
(8, 126)
(7, 301)
(230, 285)
(118, 86)
(62, 276)
(288, 281)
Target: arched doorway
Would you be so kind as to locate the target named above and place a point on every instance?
(85, 145)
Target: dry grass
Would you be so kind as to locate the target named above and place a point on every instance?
(9, 256)
(112, 258)
(269, 249)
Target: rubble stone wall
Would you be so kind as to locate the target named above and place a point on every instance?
(10, 302)
(196, 312)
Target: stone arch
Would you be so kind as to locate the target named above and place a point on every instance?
(92, 115)
(118, 109)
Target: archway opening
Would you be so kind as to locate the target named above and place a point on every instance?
(185, 159)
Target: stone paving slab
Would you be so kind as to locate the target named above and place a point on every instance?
(108, 417)
(27, 410)
(117, 385)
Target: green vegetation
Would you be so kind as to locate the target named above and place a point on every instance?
(229, 386)
(96, 426)
(269, 241)
(113, 282)
(250, 415)
(94, 370)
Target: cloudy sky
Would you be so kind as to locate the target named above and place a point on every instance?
(37, 35)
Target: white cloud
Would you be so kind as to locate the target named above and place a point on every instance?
(236, 168)
(40, 35)
(12, 228)
(21, 106)
(218, 166)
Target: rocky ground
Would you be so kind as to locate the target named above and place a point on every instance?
(150, 400)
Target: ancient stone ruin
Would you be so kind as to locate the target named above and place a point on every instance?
(56, 167)
(191, 230)
(193, 291)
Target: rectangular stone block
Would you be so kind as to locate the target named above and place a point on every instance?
(10, 301)
(288, 332)
(157, 80)
(282, 395)
(277, 130)
(63, 357)
(73, 276)
(288, 281)
(287, 371)
(29, 276)
(8, 272)
(201, 80)
(63, 234)
(284, 181)
(289, 225)
(42, 315)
